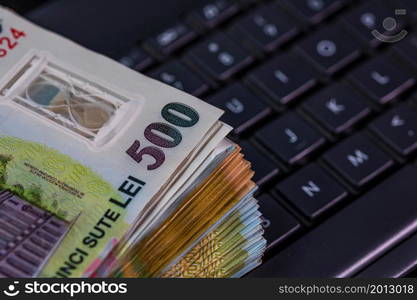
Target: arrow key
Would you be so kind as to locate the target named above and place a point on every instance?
(398, 128)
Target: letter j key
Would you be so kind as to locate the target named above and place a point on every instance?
(290, 138)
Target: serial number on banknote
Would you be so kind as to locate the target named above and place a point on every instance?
(9, 42)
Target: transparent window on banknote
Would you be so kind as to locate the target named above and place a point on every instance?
(64, 98)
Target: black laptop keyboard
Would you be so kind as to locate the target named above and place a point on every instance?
(320, 95)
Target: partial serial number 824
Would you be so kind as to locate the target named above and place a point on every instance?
(7, 44)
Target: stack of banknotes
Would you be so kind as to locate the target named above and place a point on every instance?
(107, 173)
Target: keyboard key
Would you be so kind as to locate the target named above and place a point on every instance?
(265, 28)
(213, 13)
(290, 138)
(355, 237)
(315, 11)
(371, 22)
(170, 40)
(180, 77)
(242, 108)
(382, 79)
(312, 191)
(278, 224)
(358, 160)
(219, 56)
(282, 80)
(137, 59)
(338, 108)
(408, 49)
(398, 128)
(264, 168)
(330, 49)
